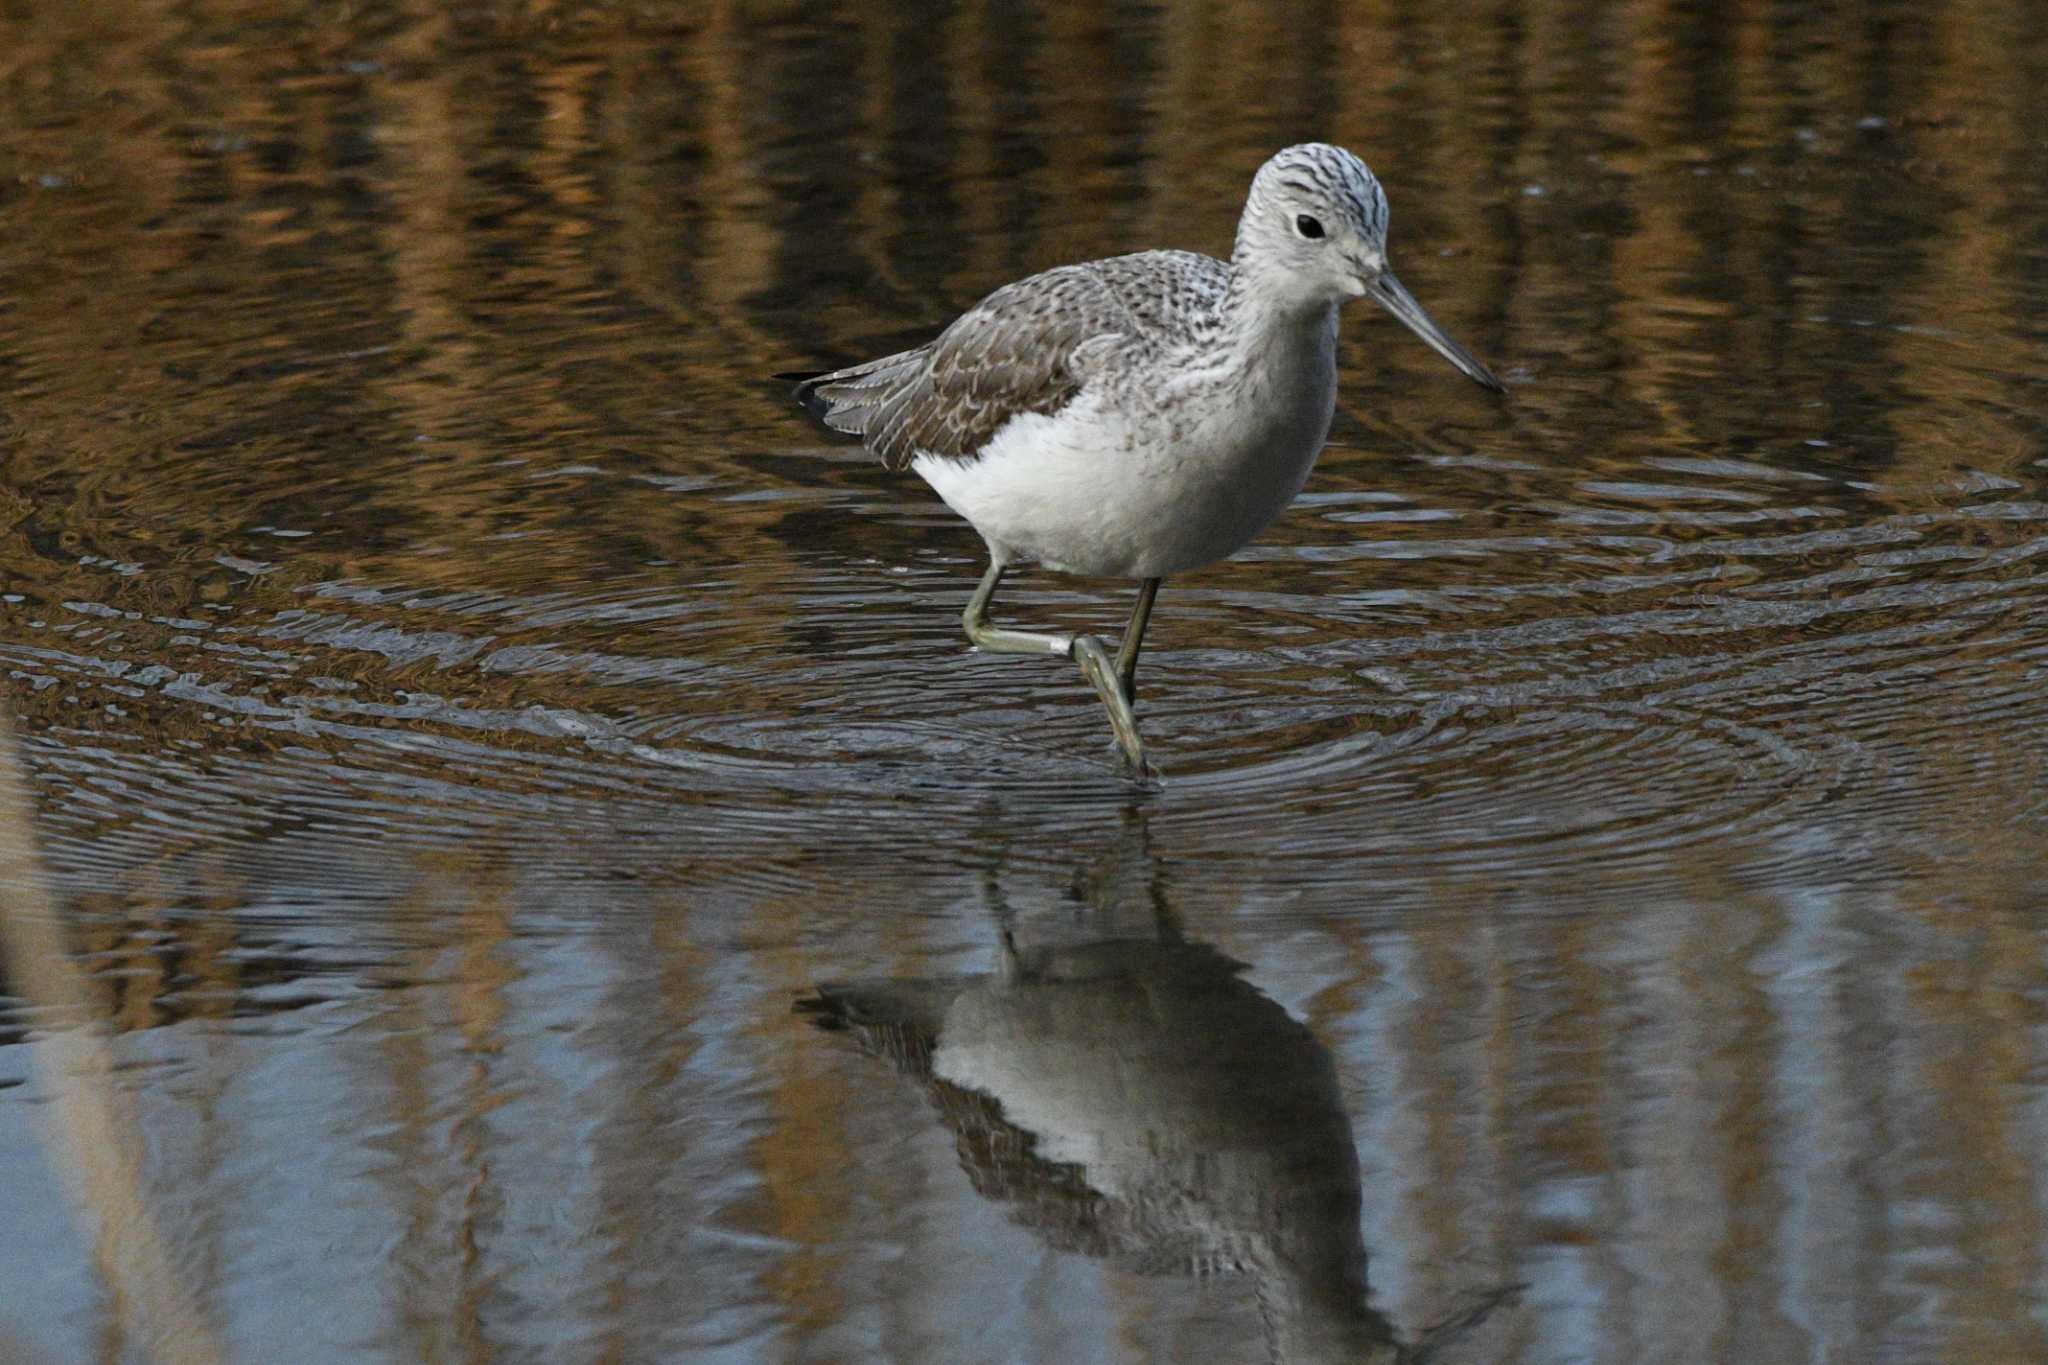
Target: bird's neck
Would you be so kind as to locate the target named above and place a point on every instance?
(1323, 1316)
(1267, 317)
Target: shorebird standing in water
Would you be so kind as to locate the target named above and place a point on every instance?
(1143, 415)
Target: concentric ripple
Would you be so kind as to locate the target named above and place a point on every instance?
(1519, 703)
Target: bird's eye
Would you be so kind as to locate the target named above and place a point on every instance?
(1307, 226)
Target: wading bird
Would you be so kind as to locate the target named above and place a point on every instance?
(1143, 415)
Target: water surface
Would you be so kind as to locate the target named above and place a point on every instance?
(468, 711)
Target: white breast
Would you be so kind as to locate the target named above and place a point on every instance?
(1141, 480)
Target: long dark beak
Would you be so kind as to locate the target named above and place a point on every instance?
(1396, 300)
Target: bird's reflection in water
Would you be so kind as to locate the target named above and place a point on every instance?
(1137, 1099)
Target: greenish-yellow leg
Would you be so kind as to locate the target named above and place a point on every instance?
(996, 639)
(1099, 667)
(1134, 639)
(1112, 677)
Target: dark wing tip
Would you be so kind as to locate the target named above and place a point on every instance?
(823, 1008)
(805, 393)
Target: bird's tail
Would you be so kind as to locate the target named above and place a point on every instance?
(847, 400)
(898, 1020)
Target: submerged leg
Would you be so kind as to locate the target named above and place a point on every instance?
(1100, 669)
(1106, 674)
(987, 635)
(1134, 639)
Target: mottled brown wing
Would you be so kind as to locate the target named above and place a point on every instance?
(1014, 352)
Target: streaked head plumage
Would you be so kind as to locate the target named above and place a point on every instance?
(1314, 234)
(1317, 212)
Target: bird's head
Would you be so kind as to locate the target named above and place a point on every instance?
(1315, 229)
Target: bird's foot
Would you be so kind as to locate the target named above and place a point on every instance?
(1098, 665)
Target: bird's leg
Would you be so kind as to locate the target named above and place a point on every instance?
(996, 639)
(1134, 640)
(1096, 664)
(1100, 669)
(1119, 688)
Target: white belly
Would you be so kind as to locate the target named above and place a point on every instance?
(1103, 490)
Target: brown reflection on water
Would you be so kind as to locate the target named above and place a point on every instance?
(802, 1156)
(466, 705)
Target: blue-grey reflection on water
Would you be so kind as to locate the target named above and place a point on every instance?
(1137, 1100)
(548, 1114)
(465, 705)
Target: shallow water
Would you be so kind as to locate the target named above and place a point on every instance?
(469, 711)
